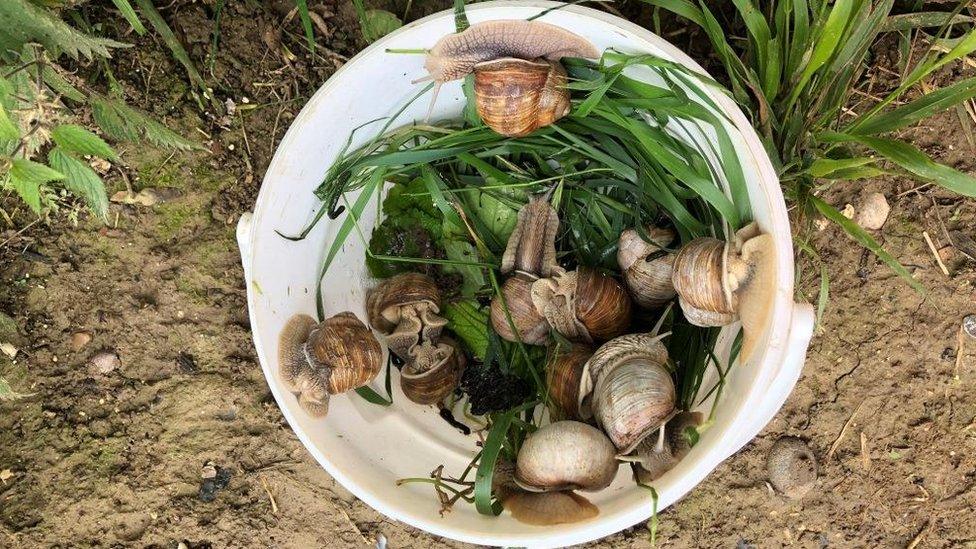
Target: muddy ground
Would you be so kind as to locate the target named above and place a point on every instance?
(111, 455)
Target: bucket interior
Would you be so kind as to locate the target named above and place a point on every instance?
(368, 447)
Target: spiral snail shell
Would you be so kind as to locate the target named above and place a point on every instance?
(565, 373)
(530, 326)
(633, 393)
(515, 97)
(583, 305)
(647, 266)
(404, 308)
(433, 371)
(566, 455)
(316, 360)
(718, 282)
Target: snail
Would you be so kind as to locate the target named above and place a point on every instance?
(656, 455)
(566, 455)
(515, 97)
(647, 266)
(792, 467)
(404, 308)
(433, 371)
(531, 248)
(719, 281)
(318, 360)
(564, 375)
(583, 305)
(538, 508)
(530, 326)
(519, 84)
(454, 56)
(633, 393)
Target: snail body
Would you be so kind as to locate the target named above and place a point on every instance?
(647, 266)
(566, 455)
(455, 56)
(317, 360)
(531, 248)
(584, 305)
(404, 308)
(656, 455)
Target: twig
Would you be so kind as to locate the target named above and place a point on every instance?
(918, 538)
(935, 252)
(274, 504)
(913, 189)
(28, 226)
(843, 431)
(865, 452)
(960, 340)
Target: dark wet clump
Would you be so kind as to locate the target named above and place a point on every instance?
(491, 390)
(215, 479)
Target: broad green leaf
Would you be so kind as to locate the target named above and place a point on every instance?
(76, 139)
(81, 180)
(375, 24)
(60, 84)
(863, 238)
(125, 8)
(8, 130)
(913, 160)
(26, 177)
(917, 110)
(469, 322)
(23, 22)
(371, 396)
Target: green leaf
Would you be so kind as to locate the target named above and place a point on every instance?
(8, 130)
(684, 8)
(77, 139)
(371, 396)
(81, 180)
(375, 24)
(172, 42)
(306, 23)
(486, 466)
(60, 84)
(460, 16)
(915, 161)
(26, 177)
(122, 122)
(24, 22)
(922, 19)
(827, 44)
(863, 238)
(823, 167)
(917, 110)
(472, 276)
(469, 322)
(125, 8)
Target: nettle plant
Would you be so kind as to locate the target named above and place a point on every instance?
(43, 152)
(796, 71)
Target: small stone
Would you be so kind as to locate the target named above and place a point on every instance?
(146, 197)
(209, 471)
(6, 475)
(873, 212)
(792, 467)
(969, 325)
(212, 484)
(8, 349)
(79, 340)
(848, 211)
(104, 362)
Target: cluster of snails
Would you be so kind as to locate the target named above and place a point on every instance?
(519, 82)
(405, 310)
(621, 394)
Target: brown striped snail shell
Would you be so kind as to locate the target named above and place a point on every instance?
(647, 266)
(433, 371)
(633, 393)
(564, 376)
(583, 305)
(530, 326)
(404, 308)
(718, 282)
(515, 96)
(566, 455)
(334, 356)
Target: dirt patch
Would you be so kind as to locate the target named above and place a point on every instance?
(130, 455)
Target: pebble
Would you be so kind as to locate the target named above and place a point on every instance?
(873, 211)
(104, 362)
(79, 340)
(8, 349)
(214, 478)
(969, 325)
(792, 467)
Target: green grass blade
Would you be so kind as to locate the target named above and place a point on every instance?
(823, 167)
(863, 238)
(923, 19)
(486, 466)
(125, 8)
(683, 8)
(828, 42)
(460, 16)
(371, 396)
(915, 161)
(176, 48)
(919, 109)
(302, 6)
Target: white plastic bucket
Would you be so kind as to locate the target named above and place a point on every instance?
(368, 447)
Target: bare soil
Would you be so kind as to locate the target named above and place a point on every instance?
(113, 457)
